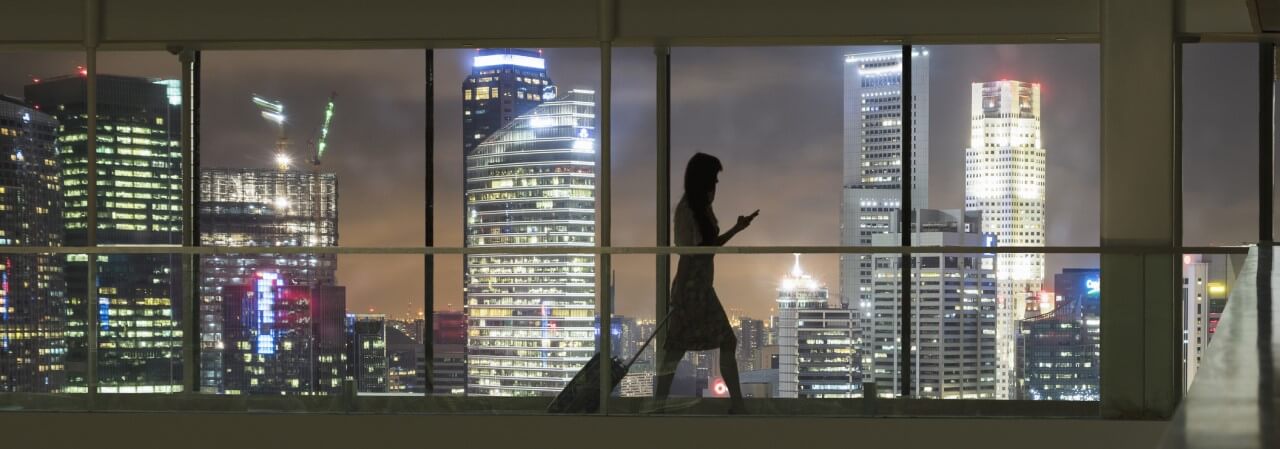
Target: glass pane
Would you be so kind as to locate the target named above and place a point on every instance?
(635, 156)
(1219, 144)
(327, 150)
(140, 296)
(1207, 280)
(1029, 174)
(790, 337)
(139, 311)
(1058, 346)
(521, 173)
(38, 340)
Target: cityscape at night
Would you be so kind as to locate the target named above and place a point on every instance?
(742, 224)
(320, 150)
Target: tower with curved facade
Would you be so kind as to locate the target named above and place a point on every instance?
(531, 317)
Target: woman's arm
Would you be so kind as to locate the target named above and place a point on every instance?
(743, 222)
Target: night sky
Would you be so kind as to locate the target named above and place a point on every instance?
(772, 114)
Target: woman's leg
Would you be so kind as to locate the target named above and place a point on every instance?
(667, 371)
(729, 371)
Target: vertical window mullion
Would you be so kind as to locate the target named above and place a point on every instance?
(428, 271)
(905, 227)
(604, 222)
(1266, 140)
(91, 192)
(190, 231)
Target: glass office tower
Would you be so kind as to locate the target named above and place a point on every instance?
(1004, 179)
(873, 178)
(367, 351)
(32, 308)
(816, 346)
(139, 197)
(283, 338)
(531, 318)
(504, 84)
(1061, 348)
(260, 207)
(953, 316)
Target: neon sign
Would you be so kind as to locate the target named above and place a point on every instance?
(1093, 286)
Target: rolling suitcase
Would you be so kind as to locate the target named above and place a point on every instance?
(582, 394)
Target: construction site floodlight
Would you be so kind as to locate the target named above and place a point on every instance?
(273, 117)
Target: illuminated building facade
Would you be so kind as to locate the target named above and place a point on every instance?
(531, 318)
(1205, 287)
(954, 316)
(817, 353)
(1005, 180)
(449, 349)
(406, 361)
(282, 338)
(32, 289)
(139, 199)
(367, 351)
(873, 178)
(1061, 348)
(504, 84)
(751, 336)
(260, 207)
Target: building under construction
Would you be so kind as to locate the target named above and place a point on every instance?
(282, 206)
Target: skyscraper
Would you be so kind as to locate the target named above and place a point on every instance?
(504, 84)
(817, 354)
(873, 178)
(283, 338)
(449, 346)
(531, 318)
(751, 336)
(1004, 179)
(406, 361)
(1205, 281)
(1062, 347)
(954, 313)
(367, 351)
(260, 207)
(139, 199)
(32, 288)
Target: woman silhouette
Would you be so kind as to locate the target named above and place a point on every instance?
(697, 320)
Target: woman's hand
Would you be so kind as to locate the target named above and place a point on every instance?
(744, 221)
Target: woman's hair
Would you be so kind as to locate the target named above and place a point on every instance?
(699, 179)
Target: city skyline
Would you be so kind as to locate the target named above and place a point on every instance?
(391, 284)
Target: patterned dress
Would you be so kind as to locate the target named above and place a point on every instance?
(698, 321)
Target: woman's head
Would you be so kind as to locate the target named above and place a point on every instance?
(701, 176)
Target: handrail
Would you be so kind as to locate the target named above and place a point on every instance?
(648, 250)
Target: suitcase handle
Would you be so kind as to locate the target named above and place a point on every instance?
(649, 340)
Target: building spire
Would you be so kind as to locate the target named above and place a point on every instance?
(795, 270)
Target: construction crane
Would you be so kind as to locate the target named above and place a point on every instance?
(324, 130)
(273, 111)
